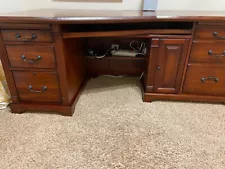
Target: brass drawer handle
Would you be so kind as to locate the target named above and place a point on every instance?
(210, 52)
(216, 35)
(23, 57)
(33, 36)
(215, 79)
(44, 88)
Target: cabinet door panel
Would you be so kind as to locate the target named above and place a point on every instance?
(171, 60)
(152, 64)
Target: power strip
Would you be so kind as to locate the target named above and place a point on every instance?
(128, 53)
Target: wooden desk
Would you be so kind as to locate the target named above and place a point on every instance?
(45, 59)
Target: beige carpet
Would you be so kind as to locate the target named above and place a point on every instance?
(113, 129)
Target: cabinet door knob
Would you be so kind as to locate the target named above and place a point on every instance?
(158, 68)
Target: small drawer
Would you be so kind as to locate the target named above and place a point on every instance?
(205, 79)
(208, 52)
(37, 86)
(26, 36)
(27, 56)
(210, 32)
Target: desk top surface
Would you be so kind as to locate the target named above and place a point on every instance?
(108, 16)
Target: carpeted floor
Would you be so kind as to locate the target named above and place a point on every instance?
(113, 129)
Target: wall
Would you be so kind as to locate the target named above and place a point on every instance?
(6, 5)
(133, 5)
(125, 5)
(191, 5)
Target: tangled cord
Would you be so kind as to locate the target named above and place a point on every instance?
(140, 47)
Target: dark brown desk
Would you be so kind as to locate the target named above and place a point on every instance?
(45, 59)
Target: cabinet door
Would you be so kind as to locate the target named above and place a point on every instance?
(170, 65)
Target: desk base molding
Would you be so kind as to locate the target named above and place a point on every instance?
(59, 109)
(150, 97)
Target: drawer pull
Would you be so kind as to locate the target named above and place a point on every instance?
(216, 35)
(210, 52)
(44, 88)
(33, 36)
(215, 79)
(30, 60)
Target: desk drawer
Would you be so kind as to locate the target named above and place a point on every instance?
(26, 36)
(37, 86)
(205, 79)
(208, 52)
(210, 32)
(28, 56)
